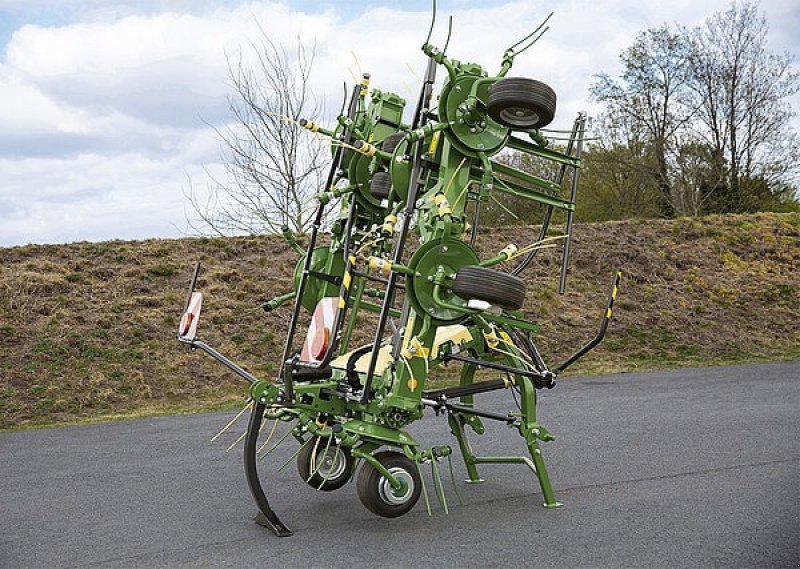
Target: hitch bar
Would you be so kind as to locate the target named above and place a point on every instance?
(603, 327)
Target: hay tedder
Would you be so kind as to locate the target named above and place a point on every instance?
(402, 247)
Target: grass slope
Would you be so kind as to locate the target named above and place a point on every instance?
(87, 329)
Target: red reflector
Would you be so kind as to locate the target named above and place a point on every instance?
(319, 343)
(187, 329)
(188, 318)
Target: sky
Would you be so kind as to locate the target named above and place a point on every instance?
(107, 107)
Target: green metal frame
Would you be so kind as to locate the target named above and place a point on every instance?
(442, 164)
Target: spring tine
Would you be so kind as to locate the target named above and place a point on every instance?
(232, 421)
(424, 490)
(236, 442)
(533, 32)
(291, 458)
(313, 466)
(437, 482)
(449, 33)
(453, 479)
(244, 434)
(269, 436)
(433, 21)
(283, 438)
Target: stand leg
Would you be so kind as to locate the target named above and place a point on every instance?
(457, 428)
(531, 431)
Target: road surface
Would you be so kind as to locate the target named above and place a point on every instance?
(675, 469)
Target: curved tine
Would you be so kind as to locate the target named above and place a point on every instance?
(344, 98)
(449, 33)
(533, 41)
(424, 490)
(433, 21)
(533, 32)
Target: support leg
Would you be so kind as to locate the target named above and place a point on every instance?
(544, 480)
(457, 428)
(532, 432)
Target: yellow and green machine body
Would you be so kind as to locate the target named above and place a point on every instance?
(402, 246)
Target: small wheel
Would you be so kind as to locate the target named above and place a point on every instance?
(381, 185)
(390, 142)
(332, 468)
(378, 496)
(500, 289)
(521, 103)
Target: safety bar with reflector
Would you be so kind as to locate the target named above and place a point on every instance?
(187, 329)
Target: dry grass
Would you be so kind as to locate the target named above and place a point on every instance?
(87, 329)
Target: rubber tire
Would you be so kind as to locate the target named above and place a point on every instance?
(390, 142)
(381, 185)
(495, 287)
(304, 467)
(521, 94)
(370, 480)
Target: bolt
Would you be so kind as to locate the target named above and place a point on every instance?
(473, 129)
(431, 310)
(444, 249)
(537, 452)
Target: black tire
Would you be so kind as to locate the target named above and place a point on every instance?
(377, 494)
(381, 185)
(500, 289)
(390, 142)
(522, 104)
(337, 465)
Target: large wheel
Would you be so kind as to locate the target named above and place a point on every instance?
(381, 185)
(500, 289)
(522, 104)
(378, 495)
(331, 469)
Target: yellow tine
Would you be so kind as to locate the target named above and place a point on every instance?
(269, 437)
(232, 421)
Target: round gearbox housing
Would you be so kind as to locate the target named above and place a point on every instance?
(449, 255)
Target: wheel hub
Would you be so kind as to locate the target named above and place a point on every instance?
(332, 464)
(396, 496)
(519, 116)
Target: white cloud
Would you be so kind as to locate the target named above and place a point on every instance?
(100, 119)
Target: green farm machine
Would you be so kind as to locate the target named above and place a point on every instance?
(402, 246)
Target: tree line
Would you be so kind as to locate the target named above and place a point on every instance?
(697, 122)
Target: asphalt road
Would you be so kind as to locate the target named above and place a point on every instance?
(678, 469)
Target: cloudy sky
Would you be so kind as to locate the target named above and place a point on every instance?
(105, 105)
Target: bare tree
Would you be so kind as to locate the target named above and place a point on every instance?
(273, 167)
(742, 91)
(650, 99)
(707, 112)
